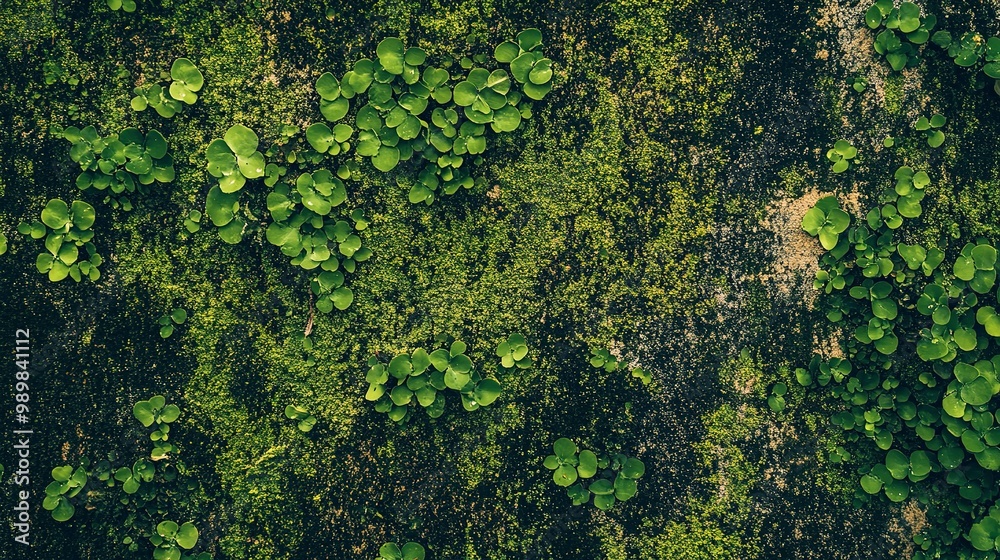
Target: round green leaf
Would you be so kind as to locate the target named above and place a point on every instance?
(55, 214)
(187, 536)
(63, 510)
(634, 468)
(564, 448)
(564, 476)
(390, 551)
(487, 391)
(342, 298)
(950, 457)
(328, 87)
(978, 392)
(604, 502)
(241, 140)
(602, 487)
(506, 52)
(897, 490)
(183, 70)
(334, 110)
(391, 55)
(412, 550)
(588, 464)
(870, 484)
(386, 159)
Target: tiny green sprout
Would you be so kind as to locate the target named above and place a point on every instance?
(306, 421)
(66, 484)
(614, 476)
(841, 155)
(132, 478)
(889, 142)
(177, 316)
(193, 221)
(859, 83)
(157, 97)
(421, 378)
(776, 400)
(602, 358)
(514, 352)
(127, 6)
(409, 551)
(187, 80)
(643, 375)
(170, 539)
(826, 220)
(931, 129)
(119, 165)
(157, 411)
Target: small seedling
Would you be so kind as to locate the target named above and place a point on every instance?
(409, 551)
(177, 316)
(306, 421)
(776, 401)
(931, 129)
(841, 154)
(514, 352)
(171, 538)
(193, 221)
(826, 220)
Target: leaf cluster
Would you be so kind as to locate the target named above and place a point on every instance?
(119, 165)
(422, 378)
(614, 476)
(65, 229)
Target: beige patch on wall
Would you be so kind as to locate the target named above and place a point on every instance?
(796, 253)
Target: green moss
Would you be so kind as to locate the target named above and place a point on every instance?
(894, 93)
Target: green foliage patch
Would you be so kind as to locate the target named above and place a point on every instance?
(65, 229)
(617, 474)
(121, 164)
(422, 377)
(431, 115)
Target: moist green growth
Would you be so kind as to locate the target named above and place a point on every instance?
(147, 489)
(422, 378)
(119, 165)
(310, 221)
(905, 32)
(614, 475)
(65, 229)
